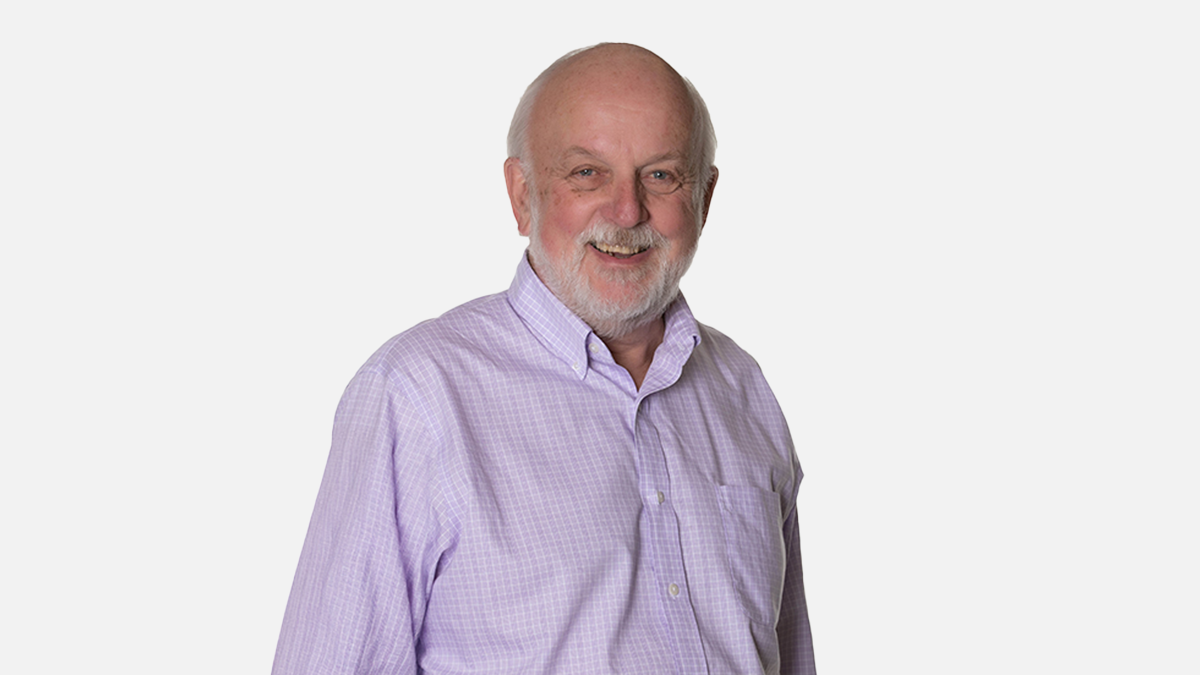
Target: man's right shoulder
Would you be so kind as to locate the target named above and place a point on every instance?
(464, 334)
(439, 366)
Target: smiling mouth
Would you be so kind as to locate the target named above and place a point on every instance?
(618, 251)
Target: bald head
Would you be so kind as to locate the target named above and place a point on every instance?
(612, 71)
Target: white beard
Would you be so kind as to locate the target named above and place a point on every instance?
(648, 290)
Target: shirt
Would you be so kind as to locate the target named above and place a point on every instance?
(501, 498)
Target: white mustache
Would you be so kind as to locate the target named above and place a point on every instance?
(639, 237)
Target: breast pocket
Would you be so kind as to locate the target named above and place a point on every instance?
(754, 545)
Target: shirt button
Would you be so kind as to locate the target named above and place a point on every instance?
(673, 590)
(575, 366)
(595, 348)
(661, 497)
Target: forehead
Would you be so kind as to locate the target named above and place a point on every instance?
(625, 103)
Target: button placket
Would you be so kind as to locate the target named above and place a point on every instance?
(665, 546)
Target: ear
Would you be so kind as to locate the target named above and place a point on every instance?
(708, 193)
(518, 193)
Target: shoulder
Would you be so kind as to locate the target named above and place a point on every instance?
(731, 375)
(718, 353)
(730, 388)
(433, 367)
(475, 328)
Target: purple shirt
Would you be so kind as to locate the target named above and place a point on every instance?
(500, 498)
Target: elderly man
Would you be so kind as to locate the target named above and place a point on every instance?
(573, 476)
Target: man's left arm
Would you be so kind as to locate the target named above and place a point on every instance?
(794, 633)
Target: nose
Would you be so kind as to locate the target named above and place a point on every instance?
(627, 206)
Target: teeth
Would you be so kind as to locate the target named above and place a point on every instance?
(617, 249)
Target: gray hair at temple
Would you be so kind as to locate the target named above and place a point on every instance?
(703, 141)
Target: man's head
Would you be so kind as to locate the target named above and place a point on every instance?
(610, 175)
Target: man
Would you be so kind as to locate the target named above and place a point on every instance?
(573, 476)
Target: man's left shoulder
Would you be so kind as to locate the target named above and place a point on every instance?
(717, 350)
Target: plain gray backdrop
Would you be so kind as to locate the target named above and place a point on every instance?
(961, 239)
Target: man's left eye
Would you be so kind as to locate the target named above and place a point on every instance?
(661, 181)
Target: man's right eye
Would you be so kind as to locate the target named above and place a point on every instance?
(587, 178)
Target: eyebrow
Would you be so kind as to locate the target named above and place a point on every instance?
(574, 150)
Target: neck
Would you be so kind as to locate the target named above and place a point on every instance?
(634, 351)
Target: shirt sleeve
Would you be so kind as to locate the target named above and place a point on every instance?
(373, 545)
(794, 633)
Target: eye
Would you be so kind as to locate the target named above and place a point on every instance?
(586, 177)
(661, 181)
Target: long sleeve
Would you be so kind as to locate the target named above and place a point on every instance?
(373, 545)
(795, 635)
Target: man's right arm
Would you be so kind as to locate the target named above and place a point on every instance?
(358, 598)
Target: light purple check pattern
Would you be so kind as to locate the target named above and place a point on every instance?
(500, 498)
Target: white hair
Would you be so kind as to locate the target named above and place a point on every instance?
(703, 139)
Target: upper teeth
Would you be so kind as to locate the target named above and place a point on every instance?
(617, 248)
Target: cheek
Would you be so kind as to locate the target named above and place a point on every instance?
(676, 220)
(554, 237)
(567, 215)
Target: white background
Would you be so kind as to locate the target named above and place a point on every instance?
(961, 239)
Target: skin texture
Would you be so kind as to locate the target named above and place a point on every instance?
(608, 166)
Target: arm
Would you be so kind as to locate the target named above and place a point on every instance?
(795, 636)
(358, 598)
